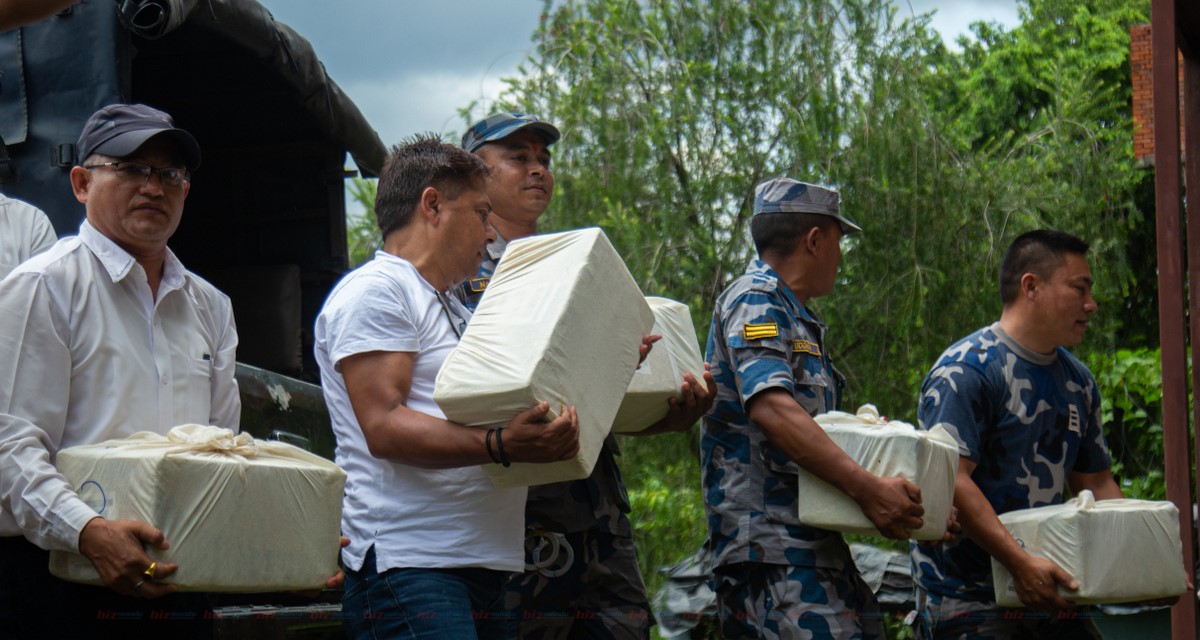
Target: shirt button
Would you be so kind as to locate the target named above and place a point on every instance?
(163, 380)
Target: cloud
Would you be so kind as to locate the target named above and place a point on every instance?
(386, 39)
(420, 103)
(953, 18)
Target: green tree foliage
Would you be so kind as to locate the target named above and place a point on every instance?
(362, 230)
(1132, 414)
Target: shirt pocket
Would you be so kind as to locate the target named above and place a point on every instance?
(812, 388)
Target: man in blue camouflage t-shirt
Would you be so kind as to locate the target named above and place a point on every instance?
(774, 576)
(1026, 415)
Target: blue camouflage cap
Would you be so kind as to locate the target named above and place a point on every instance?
(501, 125)
(784, 195)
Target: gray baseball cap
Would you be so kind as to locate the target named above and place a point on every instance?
(501, 125)
(119, 129)
(784, 195)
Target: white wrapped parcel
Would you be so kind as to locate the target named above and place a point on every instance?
(1119, 550)
(929, 459)
(241, 514)
(661, 374)
(561, 322)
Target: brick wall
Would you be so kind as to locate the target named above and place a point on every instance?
(1142, 76)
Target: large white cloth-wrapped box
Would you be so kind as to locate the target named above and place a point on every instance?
(1118, 551)
(661, 375)
(561, 322)
(885, 448)
(241, 515)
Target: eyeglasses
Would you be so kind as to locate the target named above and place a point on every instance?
(139, 174)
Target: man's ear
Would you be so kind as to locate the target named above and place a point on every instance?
(430, 205)
(1029, 284)
(80, 178)
(811, 237)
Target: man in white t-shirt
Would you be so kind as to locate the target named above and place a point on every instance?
(432, 540)
(24, 232)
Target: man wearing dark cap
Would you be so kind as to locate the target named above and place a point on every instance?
(103, 335)
(773, 575)
(590, 586)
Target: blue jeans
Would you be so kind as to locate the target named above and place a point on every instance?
(439, 604)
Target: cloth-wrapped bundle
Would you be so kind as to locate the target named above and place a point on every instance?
(241, 515)
(661, 375)
(1118, 551)
(885, 448)
(561, 322)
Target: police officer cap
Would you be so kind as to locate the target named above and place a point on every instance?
(501, 125)
(784, 195)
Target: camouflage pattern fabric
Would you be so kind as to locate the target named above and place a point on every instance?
(1026, 420)
(775, 602)
(946, 618)
(600, 595)
(598, 502)
(763, 338)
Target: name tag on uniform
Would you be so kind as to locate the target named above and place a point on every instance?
(478, 285)
(804, 346)
(757, 331)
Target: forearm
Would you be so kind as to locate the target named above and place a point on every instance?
(793, 432)
(421, 440)
(1102, 484)
(980, 523)
(43, 504)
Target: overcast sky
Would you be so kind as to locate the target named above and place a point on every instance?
(410, 65)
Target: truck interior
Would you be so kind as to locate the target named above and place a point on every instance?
(265, 219)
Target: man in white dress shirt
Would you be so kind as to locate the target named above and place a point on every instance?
(25, 231)
(103, 335)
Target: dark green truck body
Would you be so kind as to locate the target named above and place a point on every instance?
(265, 219)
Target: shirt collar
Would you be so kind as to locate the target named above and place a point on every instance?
(496, 249)
(118, 263)
(1043, 359)
(763, 270)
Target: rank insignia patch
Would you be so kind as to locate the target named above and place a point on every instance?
(478, 284)
(757, 331)
(804, 346)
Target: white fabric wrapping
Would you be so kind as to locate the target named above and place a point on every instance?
(885, 448)
(561, 322)
(661, 375)
(241, 514)
(1118, 551)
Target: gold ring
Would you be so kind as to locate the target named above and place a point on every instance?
(149, 573)
(139, 583)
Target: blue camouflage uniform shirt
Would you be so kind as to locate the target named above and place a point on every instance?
(1027, 420)
(763, 338)
(597, 502)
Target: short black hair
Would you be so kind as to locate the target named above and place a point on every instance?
(416, 164)
(1039, 252)
(778, 233)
